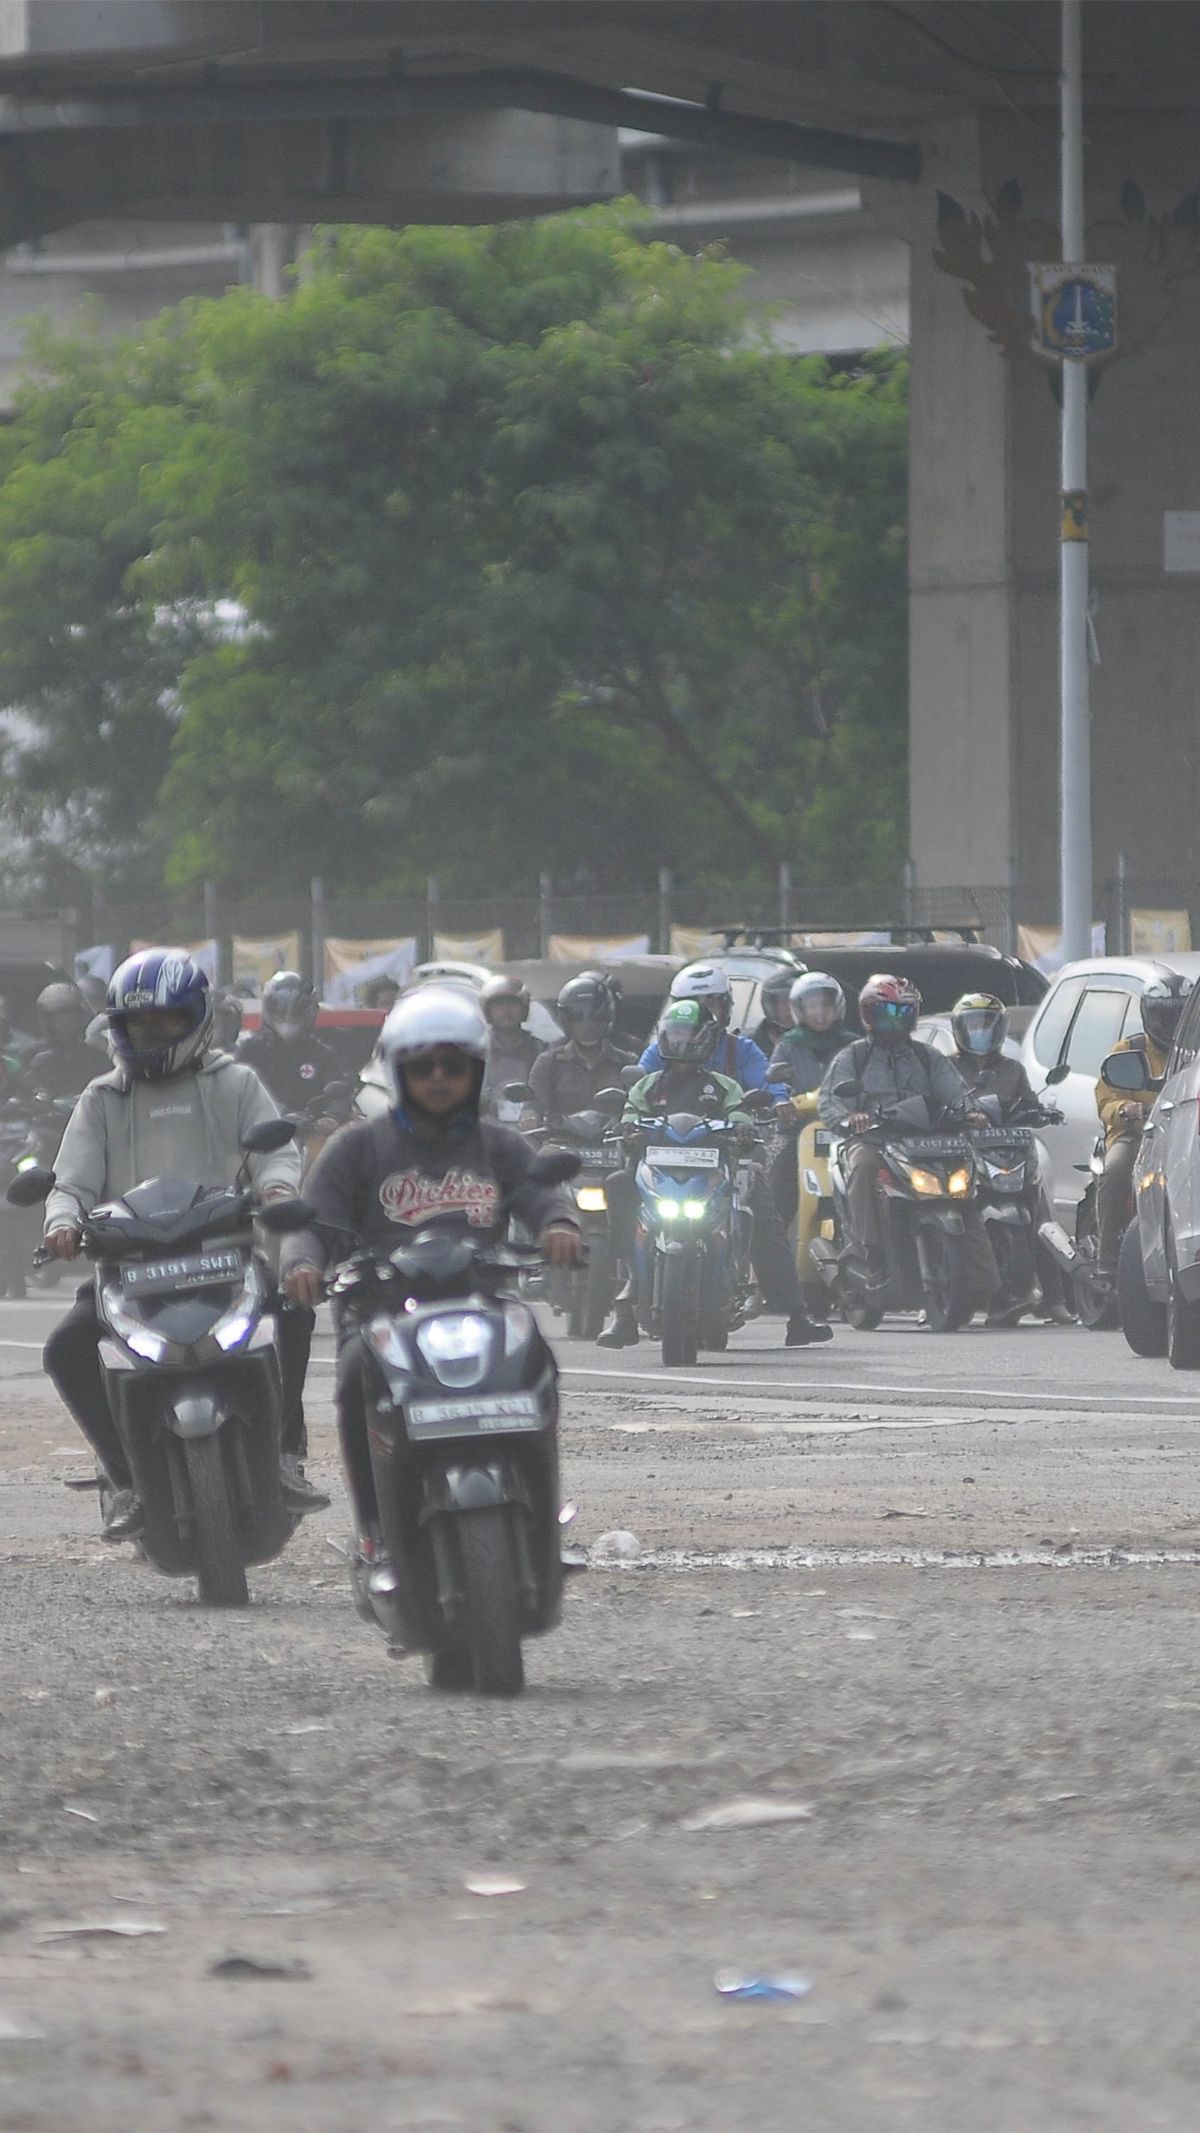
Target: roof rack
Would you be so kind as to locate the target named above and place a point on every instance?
(968, 931)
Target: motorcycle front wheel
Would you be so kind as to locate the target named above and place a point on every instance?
(220, 1571)
(680, 1339)
(944, 1275)
(493, 1605)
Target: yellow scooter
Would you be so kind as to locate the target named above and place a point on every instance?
(814, 1206)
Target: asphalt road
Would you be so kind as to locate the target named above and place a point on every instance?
(935, 1596)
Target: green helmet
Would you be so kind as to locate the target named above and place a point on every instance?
(685, 1033)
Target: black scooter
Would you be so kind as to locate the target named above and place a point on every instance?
(189, 1355)
(461, 1396)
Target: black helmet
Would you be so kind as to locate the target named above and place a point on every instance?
(1162, 1005)
(289, 1005)
(776, 995)
(980, 1024)
(585, 1009)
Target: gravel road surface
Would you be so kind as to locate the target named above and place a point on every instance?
(935, 1596)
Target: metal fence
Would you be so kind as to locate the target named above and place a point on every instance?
(520, 927)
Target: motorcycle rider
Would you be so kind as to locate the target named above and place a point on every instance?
(775, 994)
(429, 1158)
(728, 1051)
(170, 1107)
(287, 1055)
(567, 1077)
(512, 1049)
(979, 1026)
(885, 1066)
(1124, 1116)
(817, 1006)
(684, 1082)
(64, 1062)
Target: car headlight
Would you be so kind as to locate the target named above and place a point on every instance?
(592, 1199)
(457, 1347)
(925, 1181)
(668, 1209)
(958, 1182)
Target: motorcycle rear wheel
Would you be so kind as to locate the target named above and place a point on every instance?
(947, 1297)
(220, 1571)
(679, 1330)
(493, 1606)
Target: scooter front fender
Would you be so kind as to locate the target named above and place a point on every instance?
(1008, 1212)
(194, 1414)
(947, 1219)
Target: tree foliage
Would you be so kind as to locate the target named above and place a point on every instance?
(484, 550)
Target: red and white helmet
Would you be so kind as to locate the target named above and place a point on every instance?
(888, 1007)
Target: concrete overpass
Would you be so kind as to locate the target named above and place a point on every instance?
(397, 110)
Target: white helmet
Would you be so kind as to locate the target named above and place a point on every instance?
(710, 986)
(432, 1014)
(701, 981)
(812, 985)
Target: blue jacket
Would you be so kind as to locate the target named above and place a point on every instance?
(739, 1057)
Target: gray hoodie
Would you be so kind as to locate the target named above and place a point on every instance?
(122, 1132)
(886, 1073)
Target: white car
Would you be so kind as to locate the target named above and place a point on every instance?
(1090, 1006)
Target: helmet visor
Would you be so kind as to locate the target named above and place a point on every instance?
(979, 1030)
(892, 1017)
(817, 1010)
(587, 1025)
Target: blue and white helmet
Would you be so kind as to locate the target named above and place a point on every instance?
(159, 978)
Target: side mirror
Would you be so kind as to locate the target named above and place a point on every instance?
(281, 1217)
(758, 1100)
(555, 1167)
(610, 1101)
(30, 1187)
(1128, 1072)
(268, 1135)
(629, 1075)
(337, 1091)
(517, 1092)
(1057, 1074)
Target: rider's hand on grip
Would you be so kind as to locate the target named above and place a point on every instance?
(303, 1286)
(561, 1245)
(63, 1243)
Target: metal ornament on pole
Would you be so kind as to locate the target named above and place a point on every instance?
(1075, 732)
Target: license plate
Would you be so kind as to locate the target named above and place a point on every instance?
(822, 1142)
(494, 1410)
(1017, 1138)
(595, 1158)
(200, 1270)
(684, 1158)
(936, 1144)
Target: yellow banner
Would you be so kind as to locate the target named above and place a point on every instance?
(590, 948)
(1160, 933)
(353, 968)
(469, 947)
(259, 960)
(692, 942)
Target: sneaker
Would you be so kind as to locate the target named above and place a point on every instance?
(623, 1331)
(124, 1517)
(299, 1494)
(803, 1332)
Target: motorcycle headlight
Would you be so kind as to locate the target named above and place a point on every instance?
(235, 1323)
(135, 1334)
(695, 1210)
(457, 1347)
(958, 1182)
(592, 1199)
(925, 1181)
(668, 1209)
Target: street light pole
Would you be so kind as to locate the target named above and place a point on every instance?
(1075, 758)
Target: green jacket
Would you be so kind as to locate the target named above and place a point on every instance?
(645, 1100)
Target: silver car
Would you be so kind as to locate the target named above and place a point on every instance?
(1088, 1009)
(1158, 1282)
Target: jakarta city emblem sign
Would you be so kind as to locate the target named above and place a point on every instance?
(1075, 312)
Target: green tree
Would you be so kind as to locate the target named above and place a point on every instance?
(484, 550)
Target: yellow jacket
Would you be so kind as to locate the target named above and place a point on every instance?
(1109, 1101)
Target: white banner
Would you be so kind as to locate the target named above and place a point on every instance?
(589, 948)
(1042, 946)
(99, 962)
(352, 966)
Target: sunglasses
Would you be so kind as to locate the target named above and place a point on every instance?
(422, 1066)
